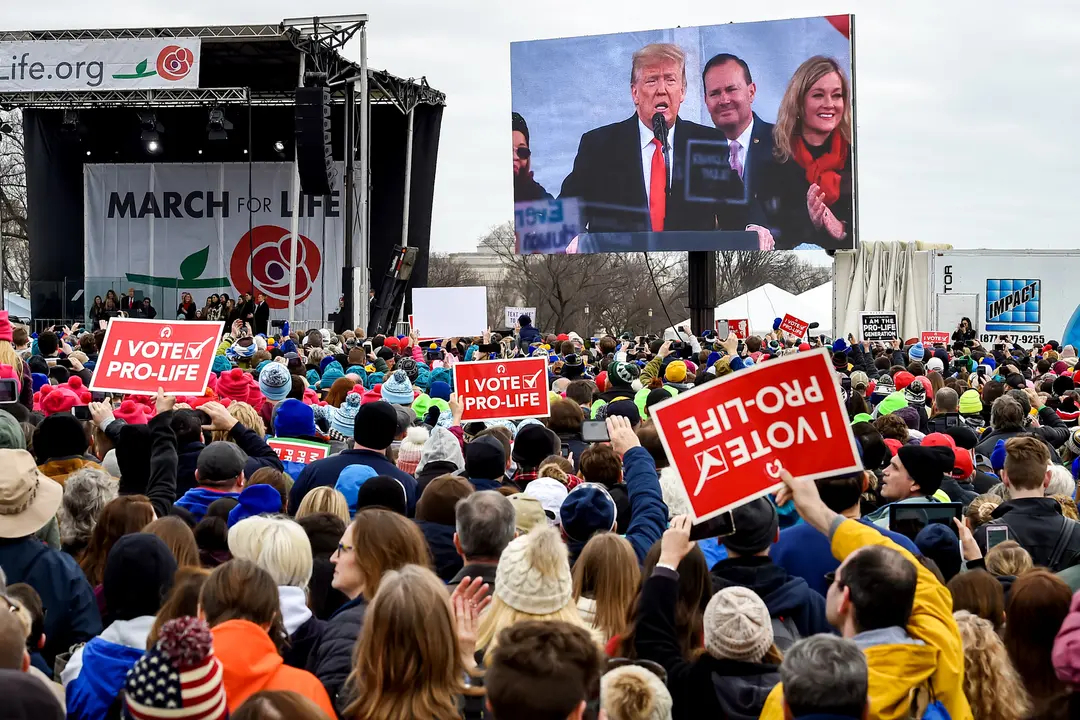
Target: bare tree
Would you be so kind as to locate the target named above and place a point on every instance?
(740, 272)
(14, 233)
(447, 271)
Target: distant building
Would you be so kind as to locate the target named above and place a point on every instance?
(485, 262)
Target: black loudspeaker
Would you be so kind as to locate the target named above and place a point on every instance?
(314, 150)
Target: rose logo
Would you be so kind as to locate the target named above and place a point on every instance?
(261, 258)
(174, 62)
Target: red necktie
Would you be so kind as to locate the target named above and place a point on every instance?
(657, 188)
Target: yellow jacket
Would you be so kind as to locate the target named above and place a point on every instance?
(895, 669)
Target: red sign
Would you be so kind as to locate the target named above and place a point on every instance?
(729, 439)
(794, 326)
(502, 389)
(935, 338)
(298, 451)
(739, 328)
(139, 356)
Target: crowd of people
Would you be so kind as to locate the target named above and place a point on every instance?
(250, 308)
(161, 560)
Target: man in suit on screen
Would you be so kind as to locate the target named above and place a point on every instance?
(621, 173)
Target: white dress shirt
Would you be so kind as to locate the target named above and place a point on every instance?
(647, 149)
(744, 141)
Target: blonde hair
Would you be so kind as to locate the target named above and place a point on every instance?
(278, 545)
(789, 116)
(324, 499)
(246, 416)
(655, 52)
(1068, 506)
(1008, 558)
(979, 511)
(993, 687)
(407, 662)
(607, 572)
(8, 356)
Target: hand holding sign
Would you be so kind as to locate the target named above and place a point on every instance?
(804, 491)
(676, 544)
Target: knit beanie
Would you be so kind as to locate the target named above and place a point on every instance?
(440, 390)
(221, 364)
(927, 466)
(293, 418)
(55, 399)
(331, 373)
(533, 443)
(350, 481)
(343, 418)
(892, 403)
(133, 413)
(915, 394)
(622, 375)
(275, 382)
(916, 352)
(409, 450)
(440, 497)
(59, 436)
(737, 625)
(970, 403)
(312, 377)
(179, 677)
(533, 575)
(675, 372)
(631, 692)
(325, 362)
(903, 379)
(138, 575)
(234, 385)
(6, 332)
(397, 389)
(255, 500)
(375, 424)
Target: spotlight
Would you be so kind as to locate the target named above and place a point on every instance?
(70, 123)
(87, 153)
(153, 146)
(200, 151)
(218, 127)
(279, 147)
(151, 132)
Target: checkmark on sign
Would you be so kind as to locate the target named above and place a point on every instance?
(532, 383)
(194, 350)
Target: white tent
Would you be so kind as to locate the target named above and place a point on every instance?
(760, 306)
(17, 305)
(817, 304)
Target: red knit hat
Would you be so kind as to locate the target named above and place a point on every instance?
(562, 337)
(57, 399)
(8, 373)
(133, 413)
(601, 380)
(310, 397)
(233, 385)
(255, 397)
(902, 379)
(393, 343)
(369, 396)
(5, 326)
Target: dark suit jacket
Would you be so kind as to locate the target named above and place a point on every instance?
(262, 318)
(759, 173)
(607, 177)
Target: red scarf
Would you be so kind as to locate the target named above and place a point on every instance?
(825, 171)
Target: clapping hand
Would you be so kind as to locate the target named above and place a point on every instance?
(468, 600)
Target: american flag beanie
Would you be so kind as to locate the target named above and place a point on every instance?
(179, 677)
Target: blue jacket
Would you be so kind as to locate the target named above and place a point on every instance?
(325, 473)
(105, 668)
(806, 553)
(648, 513)
(785, 596)
(197, 499)
(527, 335)
(72, 615)
(440, 542)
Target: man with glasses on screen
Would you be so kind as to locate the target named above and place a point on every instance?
(526, 189)
(632, 176)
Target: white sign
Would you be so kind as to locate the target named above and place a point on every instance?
(511, 315)
(447, 312)
(186, 227)
(58, 65)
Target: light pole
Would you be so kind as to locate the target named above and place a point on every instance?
(587, 333)
(648, 330)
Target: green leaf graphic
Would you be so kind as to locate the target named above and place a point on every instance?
(194, 264)
(139, 70)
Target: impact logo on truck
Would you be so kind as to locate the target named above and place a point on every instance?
(1012, 305)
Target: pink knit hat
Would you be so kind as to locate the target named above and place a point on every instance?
(133, 413)
(234, 385)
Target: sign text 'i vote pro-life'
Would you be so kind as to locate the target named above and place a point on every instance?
(730, 439)
(502, 389)
(139, 356)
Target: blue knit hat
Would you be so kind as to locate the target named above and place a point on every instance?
(293, 418)
(423, 379)
(343, 419)
(261, 366)
(357, 370)
(326, 361)
(312, 378)
(997, 457)
(917, 352)
(397, 390)
(439, 390)
(256, 500)
(839, 345)
(442, 374)
(221, 364)
(331, 372)
(37, 380)
(587, 510)
(990, 362)
(776, 323)
(374, 379)
(275, 382)
(350, 480)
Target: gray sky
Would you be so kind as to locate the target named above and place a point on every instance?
(965, 109)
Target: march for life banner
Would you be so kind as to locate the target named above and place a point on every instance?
(502, 389)
(730, 439)
(304, 452)
(187, 227)
(113, 64)
(139, 356)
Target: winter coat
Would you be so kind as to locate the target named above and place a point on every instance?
(96, 672)
(324, 473)
(157, 480)
(72, 615)
(251, 664)
(331, 657)
(198, 499)
(897, 662)
(60, 468)
(473, 571)
(323, 598)
(1051, 430)
(528, 335)
(784, 595)
(1035, 524)
(1066, 654)
(303, 627)
(259, 455)
(440, 541)
(707, 687)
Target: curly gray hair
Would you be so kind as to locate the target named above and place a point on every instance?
(86, 492)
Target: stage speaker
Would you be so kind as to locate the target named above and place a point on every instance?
(314, 149)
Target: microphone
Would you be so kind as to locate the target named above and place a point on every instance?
(660, 132)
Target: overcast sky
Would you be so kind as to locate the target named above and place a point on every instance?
(966, 110)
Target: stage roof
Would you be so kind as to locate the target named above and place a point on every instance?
(238, 63)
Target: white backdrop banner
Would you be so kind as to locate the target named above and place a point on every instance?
(187, 227)
(131, 64)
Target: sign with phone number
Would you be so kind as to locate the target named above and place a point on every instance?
(1022, 340)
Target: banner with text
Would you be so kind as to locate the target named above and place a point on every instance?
(127, 64)
(139, 356)
(298, 451)
(187, 227)
(511, 315)
(502, 389)
(730, 439)
(931, 338)
(794, 326)
(739, 328)
(878, 327)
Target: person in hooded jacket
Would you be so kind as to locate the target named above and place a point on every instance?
(441, 455)
(138, 576)
(527, 334)
(741, 663)
(436, 519)
(792, 604)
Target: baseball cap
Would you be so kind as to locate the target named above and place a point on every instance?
(220, 461)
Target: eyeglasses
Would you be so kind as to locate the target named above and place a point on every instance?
(523, 152)
(654, 667)
(343, 549)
